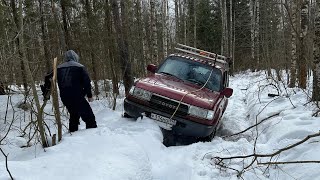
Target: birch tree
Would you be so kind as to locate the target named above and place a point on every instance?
(154, 36)
(255, 21)
(302, 63)
(177, 20)
(165, 26)
(224, 18)
(316, 72)
(295, 29)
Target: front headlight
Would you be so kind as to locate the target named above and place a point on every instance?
(131, 90)
(200, 112)
(141, 94)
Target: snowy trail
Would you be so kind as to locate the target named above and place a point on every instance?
(235, 118)
(123, 149)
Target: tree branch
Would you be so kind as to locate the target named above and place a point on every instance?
(274, 153)
(288, 162)
(6, 158)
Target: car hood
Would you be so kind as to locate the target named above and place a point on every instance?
(174, 88)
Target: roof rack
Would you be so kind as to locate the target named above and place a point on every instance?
(212, 57)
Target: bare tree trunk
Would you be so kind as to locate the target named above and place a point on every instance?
(2, 88)
(58, 31)
(65, 25)
(195, 23)
(45, 40)
(147, 32)
(231, 30)
(110, 49)
(225, 34)
(316, 72)
(141, 41)
(55, 100)
(252, 15)
(123, 47)
(255, 20)
(154, 36)
(30, 78)
(233, 38)
(257, 34)
(177, 20)
(165, 26)
(90, 22)
(302, 67)
(19, 26)
(184, 19)
(294, 43)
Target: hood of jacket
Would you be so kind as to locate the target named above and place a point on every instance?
(71, 56)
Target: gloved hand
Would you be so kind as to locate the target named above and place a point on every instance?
(90, 99)
(45, 92)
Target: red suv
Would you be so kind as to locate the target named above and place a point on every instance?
(186, 95)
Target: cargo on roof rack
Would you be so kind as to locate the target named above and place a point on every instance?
(213, 58)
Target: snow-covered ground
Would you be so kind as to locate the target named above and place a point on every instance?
(123, 149)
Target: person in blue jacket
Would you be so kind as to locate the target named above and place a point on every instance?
(74, 85)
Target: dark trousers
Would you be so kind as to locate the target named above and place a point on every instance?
(79, 107)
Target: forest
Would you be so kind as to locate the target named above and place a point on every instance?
(117, 39)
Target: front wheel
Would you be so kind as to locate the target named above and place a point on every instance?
(126, 115)
(169, 138)
(212, 135)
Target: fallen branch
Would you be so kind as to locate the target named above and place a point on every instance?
(275, 153)
(6, 159)
(220, 160)
(288, 162)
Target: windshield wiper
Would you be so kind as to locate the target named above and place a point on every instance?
(166, 73)
(196, 82)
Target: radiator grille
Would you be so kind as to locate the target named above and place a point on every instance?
(168, 106)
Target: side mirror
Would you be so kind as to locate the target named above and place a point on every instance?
(152, 68)
(227, 92)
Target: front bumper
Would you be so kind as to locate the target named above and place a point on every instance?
(183, 127)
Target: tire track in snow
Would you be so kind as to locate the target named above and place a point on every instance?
(235, 118)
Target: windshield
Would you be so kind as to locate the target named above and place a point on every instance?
(191, 71)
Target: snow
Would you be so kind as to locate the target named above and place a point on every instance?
(124, 149)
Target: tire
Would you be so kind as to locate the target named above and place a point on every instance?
(168, 138)
(212, 135)
(126, 115)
